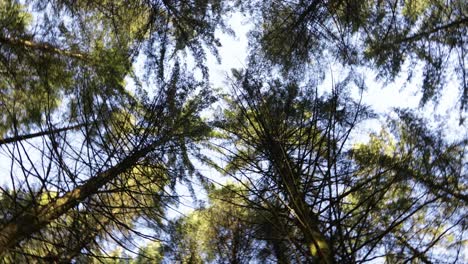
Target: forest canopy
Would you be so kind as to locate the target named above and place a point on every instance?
(116, 146)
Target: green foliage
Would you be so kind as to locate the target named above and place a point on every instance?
(218, 233)
(151, 253)
(401, 179)
(383, 35)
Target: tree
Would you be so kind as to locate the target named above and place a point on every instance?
(380, 34)
(219, 233)
(340, 206)
(293, 141)
(413, 185)
(73, 54)
(109, 214)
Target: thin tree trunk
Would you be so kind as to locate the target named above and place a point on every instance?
(38, 134)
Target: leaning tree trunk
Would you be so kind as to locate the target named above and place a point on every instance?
(36, 218)
(307, 220)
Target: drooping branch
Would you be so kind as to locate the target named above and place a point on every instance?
(42, 46)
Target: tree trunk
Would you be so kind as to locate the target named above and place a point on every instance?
(34, 219)
(38, 134)
(307, 220)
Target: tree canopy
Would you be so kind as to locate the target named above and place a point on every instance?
(110, 124)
